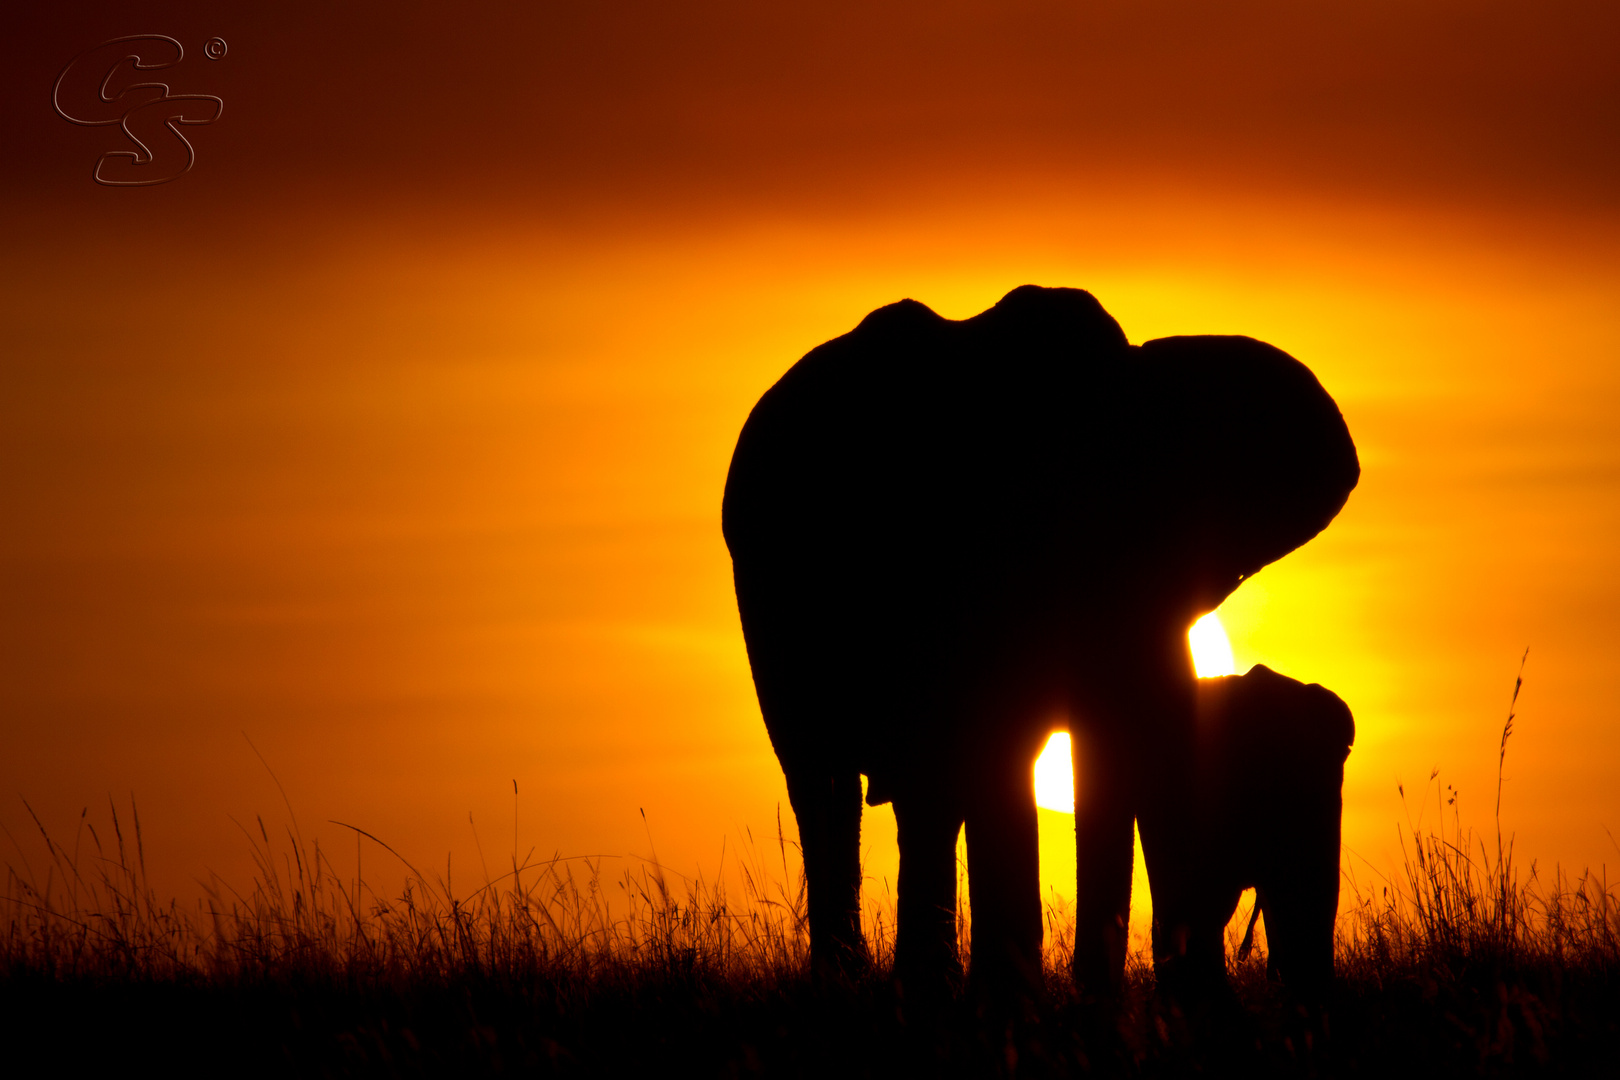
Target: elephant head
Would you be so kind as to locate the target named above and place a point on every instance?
(1248, 457)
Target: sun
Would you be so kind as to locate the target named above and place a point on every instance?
(1054, 776)
(1211, 651)
(1054, 773)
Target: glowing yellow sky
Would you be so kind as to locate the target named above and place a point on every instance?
(409, 467)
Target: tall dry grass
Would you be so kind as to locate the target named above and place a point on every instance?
(90, 911)
(1458, 955)
(1458, 899)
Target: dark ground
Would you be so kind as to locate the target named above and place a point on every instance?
(1431, 1022)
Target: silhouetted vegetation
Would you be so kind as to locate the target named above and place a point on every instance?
(1458, 966)
(1462, 967)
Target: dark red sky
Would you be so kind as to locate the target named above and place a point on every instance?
(393, 433)
(665, 103)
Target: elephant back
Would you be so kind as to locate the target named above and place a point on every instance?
(922, 431)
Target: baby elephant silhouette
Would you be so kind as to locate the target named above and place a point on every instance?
(1271, 753)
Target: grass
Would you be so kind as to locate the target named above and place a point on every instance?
(1459, 965)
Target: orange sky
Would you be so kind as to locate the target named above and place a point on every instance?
(393, 434)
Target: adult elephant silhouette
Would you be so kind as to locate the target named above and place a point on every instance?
(947, 536)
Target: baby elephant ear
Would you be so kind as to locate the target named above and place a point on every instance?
(1336, 726)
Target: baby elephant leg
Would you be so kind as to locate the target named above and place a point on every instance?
(1300, 890)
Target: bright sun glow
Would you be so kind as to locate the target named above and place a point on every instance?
(1212, 652)
(1054, 773)
(1054, 776)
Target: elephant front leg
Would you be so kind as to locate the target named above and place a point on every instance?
(925, 955)
(1004, 878)
(827, 805)
(1180, 851)
(1104, 818)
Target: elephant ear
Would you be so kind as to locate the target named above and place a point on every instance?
(1253, 451)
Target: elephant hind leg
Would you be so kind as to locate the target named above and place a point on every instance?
(827, 804)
